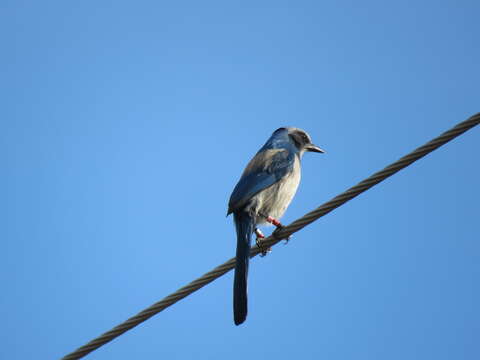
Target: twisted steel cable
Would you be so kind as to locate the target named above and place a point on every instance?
(278, 235)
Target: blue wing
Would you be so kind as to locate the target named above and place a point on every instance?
(264, 170)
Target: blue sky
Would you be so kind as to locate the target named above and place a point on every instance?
(125, 126)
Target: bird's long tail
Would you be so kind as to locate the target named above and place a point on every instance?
(244, 225)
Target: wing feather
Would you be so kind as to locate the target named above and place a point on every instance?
(264, 170)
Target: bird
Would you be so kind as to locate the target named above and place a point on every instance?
(263, 193)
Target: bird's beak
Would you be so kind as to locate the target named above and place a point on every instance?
(313, 148)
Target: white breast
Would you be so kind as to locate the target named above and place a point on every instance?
(274, 200)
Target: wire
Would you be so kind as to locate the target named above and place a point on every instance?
(278, 235)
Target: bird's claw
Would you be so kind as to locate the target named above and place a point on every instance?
(279, 228)
(257, 241)
(263, 251)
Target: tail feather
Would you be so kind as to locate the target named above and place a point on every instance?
(244, 225)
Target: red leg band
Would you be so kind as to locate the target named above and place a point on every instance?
(273, 221)
(259, 234)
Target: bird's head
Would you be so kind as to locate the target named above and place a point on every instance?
(302, 140)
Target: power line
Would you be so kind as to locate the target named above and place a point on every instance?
(278, 235)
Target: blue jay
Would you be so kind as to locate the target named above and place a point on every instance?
(261, 196)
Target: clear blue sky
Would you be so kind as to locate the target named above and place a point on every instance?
(125, 126)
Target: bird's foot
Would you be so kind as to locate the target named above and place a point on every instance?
(280, 227)
(260, 235)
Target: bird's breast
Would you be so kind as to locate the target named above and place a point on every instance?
(274, 200)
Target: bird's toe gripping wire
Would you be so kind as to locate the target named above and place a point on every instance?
(279, 226)
(259, 235)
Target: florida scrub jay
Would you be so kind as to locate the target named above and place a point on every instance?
(262, 195)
